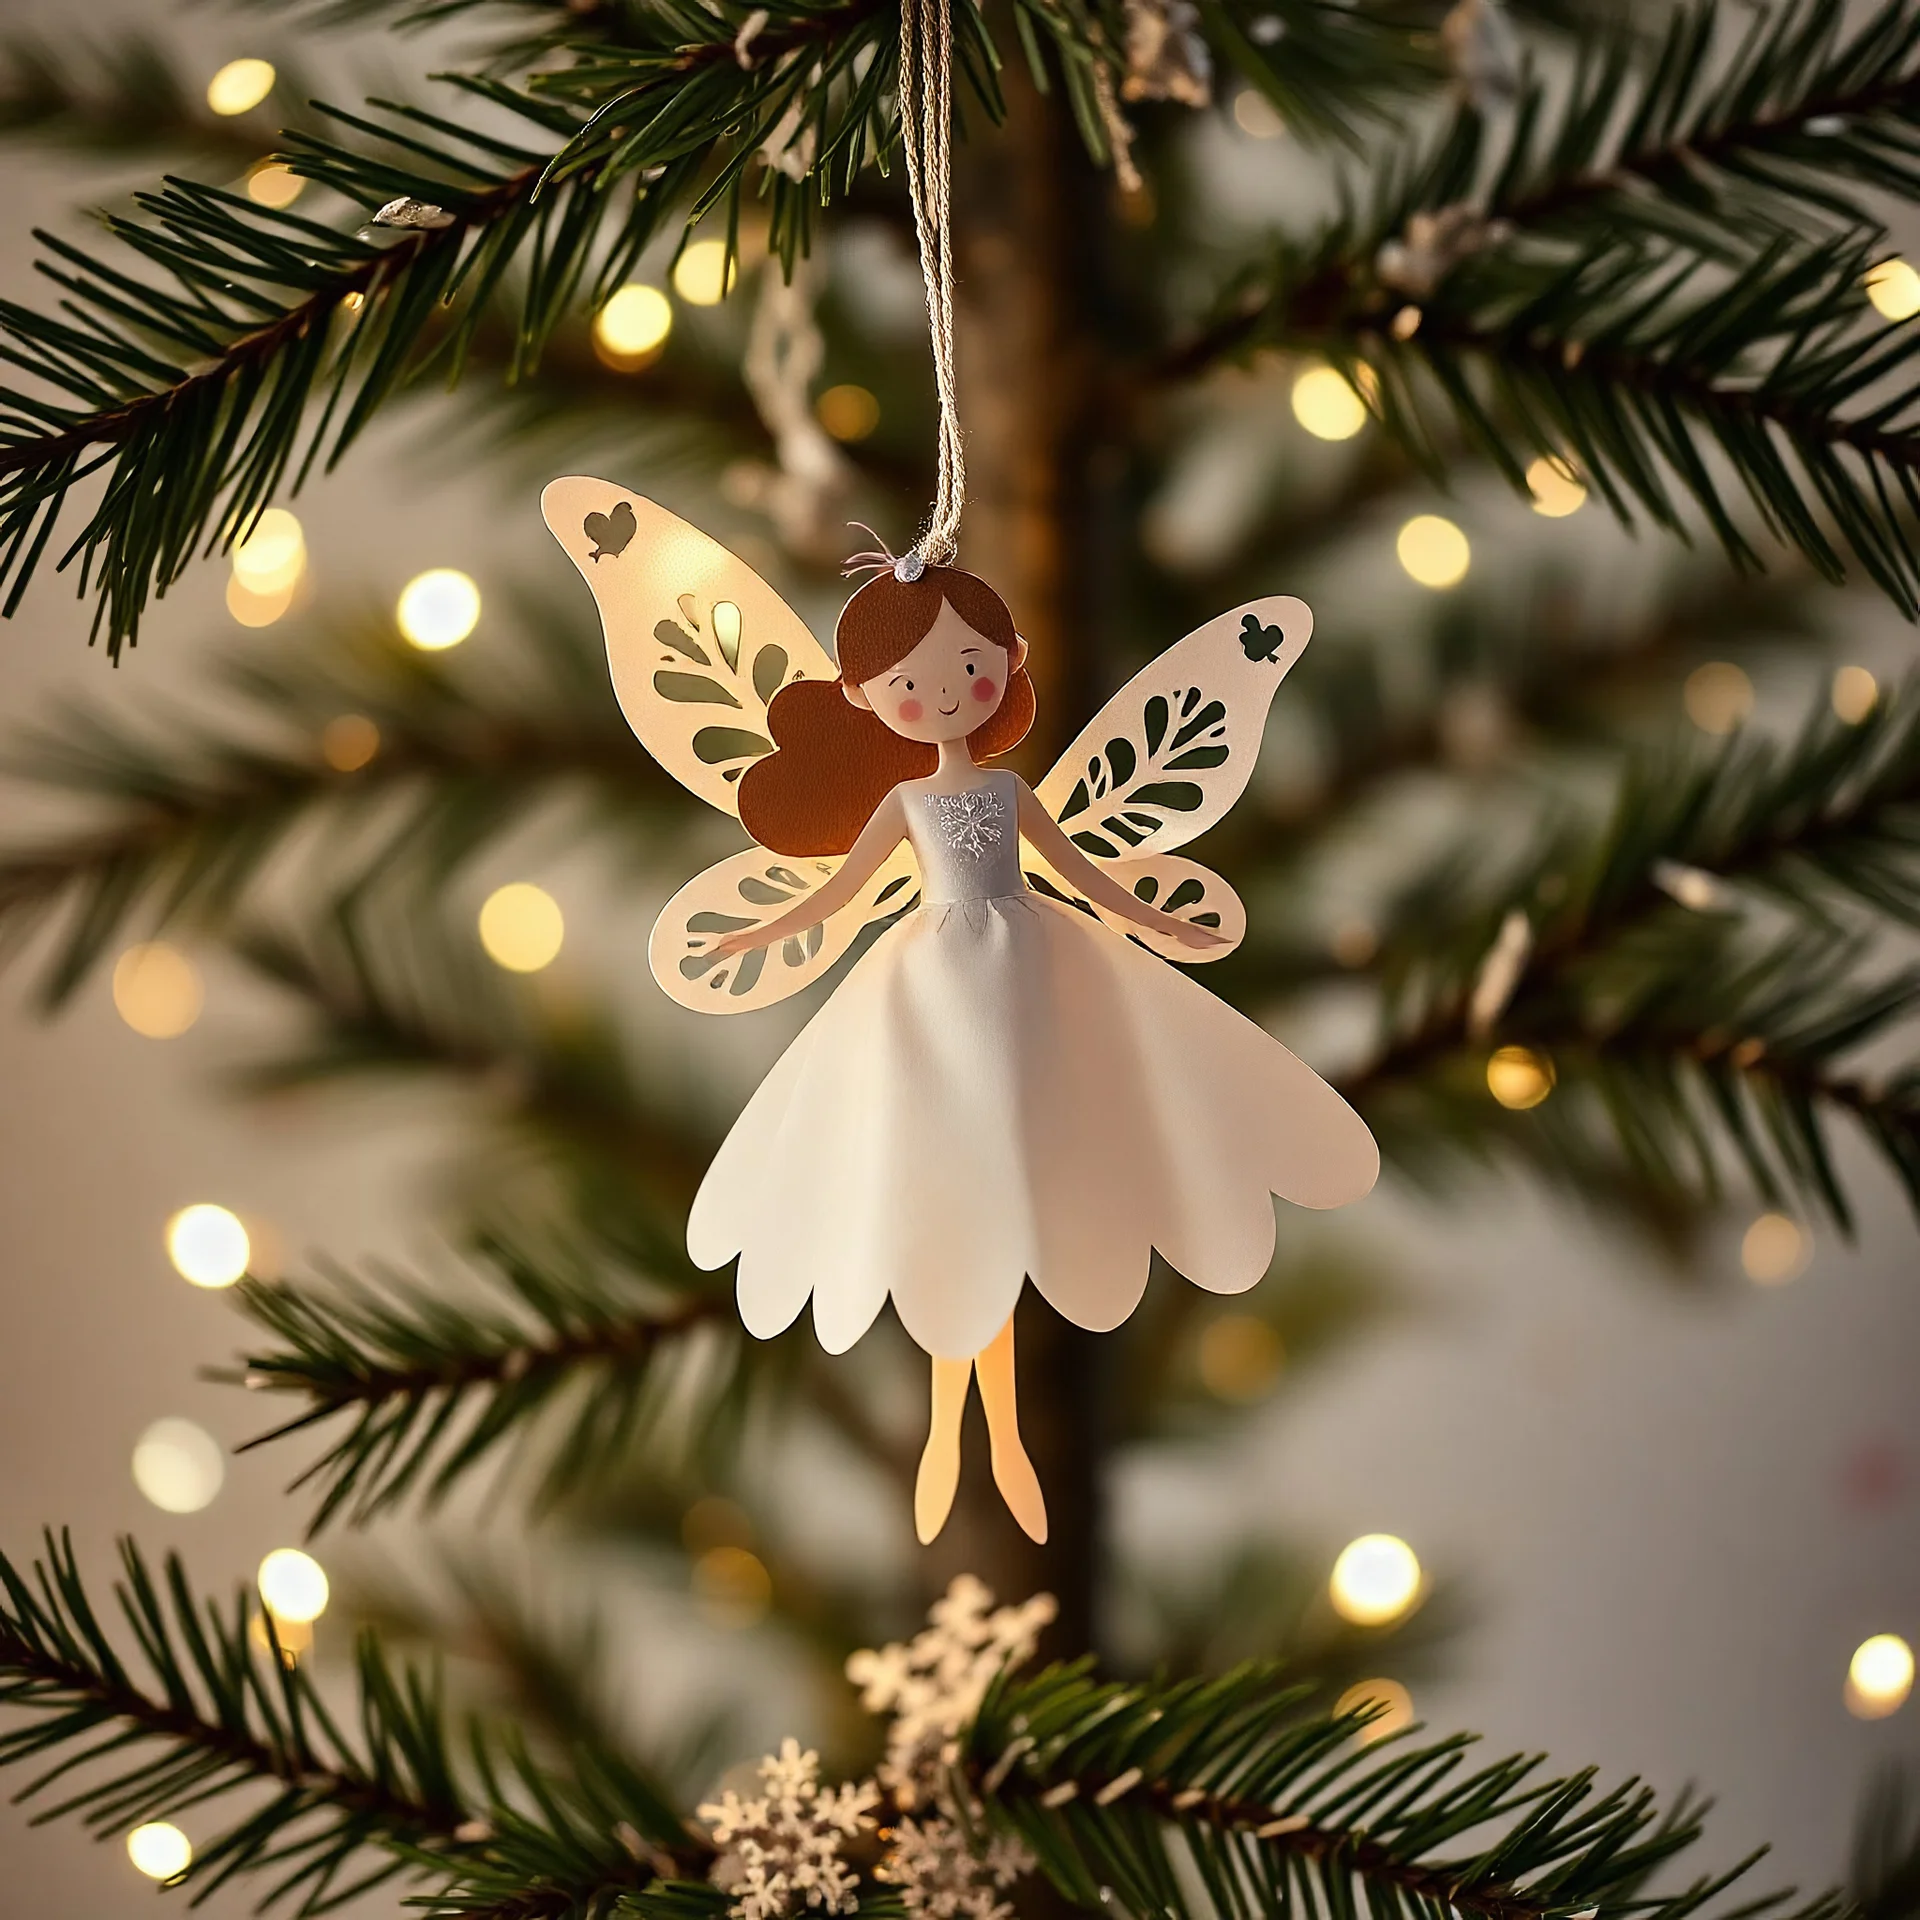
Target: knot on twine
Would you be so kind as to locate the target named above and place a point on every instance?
(907, 567)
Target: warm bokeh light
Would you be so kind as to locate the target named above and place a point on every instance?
(252, 609)
(348, 742)
(1353, 943)
(272, 185)
(847, 412)
(274, 553)
(1392, 1702)
(1894, 288)
(208, 1245)
(294, 1637)
(179, 1466)
(1519, 1078)
(1325, 403)
(1239, 1356)
(715, 1521)
(1879, 1677)
(1774, 1249)
(438, 608)
(733, 1585)
(700, 275)
(240, 86)
(156, 990)
(1556, 489)
(1375, 1579)
(1855, 694)
(521, 927)
(160, 1850)
(294, 1586)
(630, 330)
(1255, 114)
(1717, 696)
(1434, 551)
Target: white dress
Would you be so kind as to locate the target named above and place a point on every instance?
(1004, 1089)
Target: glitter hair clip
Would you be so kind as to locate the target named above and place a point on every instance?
(907, 567)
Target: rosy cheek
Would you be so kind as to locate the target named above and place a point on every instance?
(984, 690)
(911, 710)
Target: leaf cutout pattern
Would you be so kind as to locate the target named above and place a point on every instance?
(697, 643)
(747, 890)
(1171, 882)
(1172, 751)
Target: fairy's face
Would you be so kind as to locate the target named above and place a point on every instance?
(951, 683)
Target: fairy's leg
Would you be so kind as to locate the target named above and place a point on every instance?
(939, 1478)
(1013, 1472)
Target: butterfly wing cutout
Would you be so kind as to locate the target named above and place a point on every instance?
(698, 644)
(1165, 759)
(747, 890)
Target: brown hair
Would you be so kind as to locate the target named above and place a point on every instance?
(833, 763)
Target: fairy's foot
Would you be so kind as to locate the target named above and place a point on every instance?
(934, 1488)
(1019, 1487)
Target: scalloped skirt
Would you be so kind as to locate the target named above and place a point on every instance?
(1006, 1090)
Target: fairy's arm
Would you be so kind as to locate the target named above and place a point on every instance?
(1046, 836)
(877, 840)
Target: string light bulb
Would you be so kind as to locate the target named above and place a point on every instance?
(631, 329)
(1325, 403)
(1555, 489)
(1894, 288)
(700, 276)
(1879, 1677)
(207, 1245)
(294, 1586)
(1375, 1579)
(1855, 694)
(1774, 1250)
(438, 609)
(179, 1466)
(156, 990)
(521, 927)
(1434, 552)
(160, 1850)
(240, 86)
(1717, 696)
(1392, 1705)
(1519, 1078)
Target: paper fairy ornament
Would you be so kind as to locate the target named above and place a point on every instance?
(1012, 1084)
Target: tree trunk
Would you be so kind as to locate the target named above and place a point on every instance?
(1029, 210)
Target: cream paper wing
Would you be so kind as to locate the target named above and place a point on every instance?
(697, 642)
(747, 890)
(1166, 758)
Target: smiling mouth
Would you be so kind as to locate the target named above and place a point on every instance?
(955, 708)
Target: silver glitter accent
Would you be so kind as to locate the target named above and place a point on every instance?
(970, 822)
(412, 213)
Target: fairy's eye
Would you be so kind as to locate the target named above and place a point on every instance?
(909, 686)
(969, 666)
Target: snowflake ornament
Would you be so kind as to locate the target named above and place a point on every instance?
(780, 1851)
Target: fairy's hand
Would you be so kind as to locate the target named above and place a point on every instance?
(737, 943)
(1190, 935)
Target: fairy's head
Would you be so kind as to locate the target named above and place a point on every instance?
(921, 662)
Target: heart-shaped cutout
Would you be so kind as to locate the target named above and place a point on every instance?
(610, 532)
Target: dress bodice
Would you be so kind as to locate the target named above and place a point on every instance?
(968, 843)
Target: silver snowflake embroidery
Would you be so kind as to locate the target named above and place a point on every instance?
(970, 822)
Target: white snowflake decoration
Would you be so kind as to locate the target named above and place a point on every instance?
(970, 822)
(780, 1852)
(933, 1684)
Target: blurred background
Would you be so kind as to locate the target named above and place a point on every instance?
(1647, 1462)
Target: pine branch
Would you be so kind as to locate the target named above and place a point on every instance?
(192, 387)
(230, 1712)
(125, 96)
(182, 821)
(424, 1004)
(1885, 1874)
(1613, 299)
(1688, 1031)
(1119, 1789)
(226, 1714)
(575, 1366)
